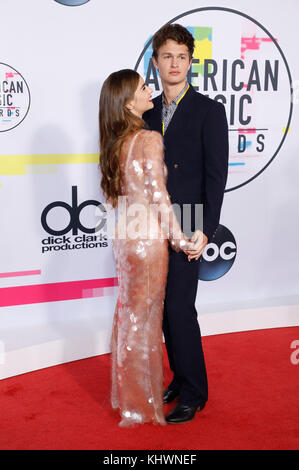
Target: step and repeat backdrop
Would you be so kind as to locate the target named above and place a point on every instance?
(58, 282)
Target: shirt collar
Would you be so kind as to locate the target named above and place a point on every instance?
(177, 98)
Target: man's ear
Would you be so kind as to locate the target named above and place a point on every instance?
(155, 62)
(190, 63)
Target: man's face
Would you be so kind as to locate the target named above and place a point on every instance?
(173, 62)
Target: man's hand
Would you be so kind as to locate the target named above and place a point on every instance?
(199, 241)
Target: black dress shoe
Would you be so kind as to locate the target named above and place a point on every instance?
(183, 413)
(170, 395)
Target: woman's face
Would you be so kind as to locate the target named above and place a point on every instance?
(142, 100)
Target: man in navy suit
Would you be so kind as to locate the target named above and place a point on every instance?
(196, 154)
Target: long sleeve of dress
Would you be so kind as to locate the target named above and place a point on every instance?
(155, 188)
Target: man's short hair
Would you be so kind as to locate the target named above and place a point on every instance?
(177, 33)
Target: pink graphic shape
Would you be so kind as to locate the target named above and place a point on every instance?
(10, 75)
(247, 131)
(39, 293)
(21, 273)
(252, 43)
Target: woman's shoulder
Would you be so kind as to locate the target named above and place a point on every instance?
(152, 136)
(152, 144)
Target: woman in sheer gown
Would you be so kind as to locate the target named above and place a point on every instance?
(134, 177)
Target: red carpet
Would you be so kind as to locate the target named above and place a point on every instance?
(253, 404)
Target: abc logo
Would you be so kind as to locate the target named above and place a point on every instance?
(218, 256)
(72, 3)
(74, 213)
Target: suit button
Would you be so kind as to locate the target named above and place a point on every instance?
(176, 165)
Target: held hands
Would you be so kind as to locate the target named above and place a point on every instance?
(196, 246)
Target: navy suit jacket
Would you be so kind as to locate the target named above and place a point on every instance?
(196, 154)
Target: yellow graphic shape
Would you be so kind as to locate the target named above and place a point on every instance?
(16, 164)
(202, 51)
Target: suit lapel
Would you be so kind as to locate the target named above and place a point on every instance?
(174, 127)
(180, 116)
(155, 120)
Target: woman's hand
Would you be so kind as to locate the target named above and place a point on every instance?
(198, 243)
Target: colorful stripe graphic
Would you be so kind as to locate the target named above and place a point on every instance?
(21, 273)
(16, 164)
(55, 292)
(202, 49)
(252, 43)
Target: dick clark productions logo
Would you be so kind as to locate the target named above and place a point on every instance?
(63, 226)
(14, 98)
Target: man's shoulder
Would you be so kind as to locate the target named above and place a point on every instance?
(157, 98)
(156, 101)
(204, 101)
(151, 112)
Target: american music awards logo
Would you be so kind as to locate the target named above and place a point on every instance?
(238, 62)
(14, 98)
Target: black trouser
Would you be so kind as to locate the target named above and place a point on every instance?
(182, 333)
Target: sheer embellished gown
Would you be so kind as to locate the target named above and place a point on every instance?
(141, 252)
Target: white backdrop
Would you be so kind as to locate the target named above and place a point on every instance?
(58, 298)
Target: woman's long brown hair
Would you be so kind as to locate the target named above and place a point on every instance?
(116, 124)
